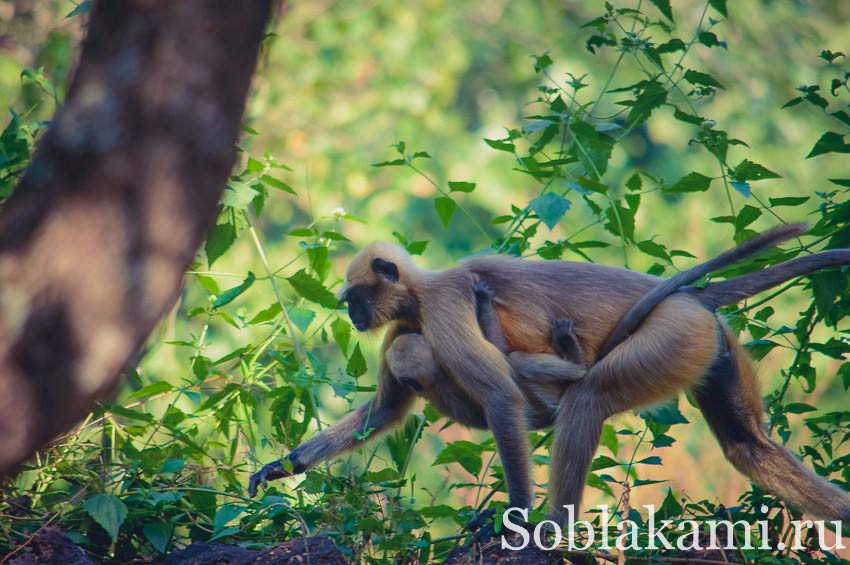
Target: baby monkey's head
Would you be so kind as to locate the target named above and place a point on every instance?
(411, 361)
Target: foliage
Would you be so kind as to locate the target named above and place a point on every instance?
(259, 356)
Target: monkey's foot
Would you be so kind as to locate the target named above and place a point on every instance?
(268, 473)
(483, 290)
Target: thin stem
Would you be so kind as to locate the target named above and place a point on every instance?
(446, 194)
(299, 351)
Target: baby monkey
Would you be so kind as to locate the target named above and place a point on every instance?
(541, 377)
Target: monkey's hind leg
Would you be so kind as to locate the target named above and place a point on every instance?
(565, 341)
(653, 364)
(729, 399)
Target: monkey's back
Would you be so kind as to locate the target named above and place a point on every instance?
(531, 294)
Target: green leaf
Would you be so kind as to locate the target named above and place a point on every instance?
(670, 508)
(594, 481)
(542, 62)
(254, 166)
(394, 163)
(341, 331)
(208, 283)
(81, 8)
(226, 532)
(746, 216)
(664, 7)
(108, 511)
(455, 186)
(238, 195)
(701, 79)
(798, 408)
(609, 438)
(687, 118)
(720, 6)
(692, 182)
(308, 287)
(841, 116)
(334, 236)
(829, 56)
(151, 390)
(438, 511)
(742, 187)
(225, 515)
(356, 366)
(709, 39)
(500, 145)
(466, 453)
(789, 200)
(844, 373)
(827, 287)
(266, 315)
(760, 347)
(301, 318)
(617, 216)
(230, 222)
(603, 462)
(654, 249)
(173, 465)
(590, 184)
(402, 441)
(550, 208)
(667, 414)
(276, 183)
(634, 182)
(593, 147)
(230, 295)
(445, 208)
(830, 142)
(671, 46)
(651, 97)
(130, 414)
(158, 534)
(749, 171)
(416, 247)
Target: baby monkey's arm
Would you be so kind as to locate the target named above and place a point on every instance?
(486, 313)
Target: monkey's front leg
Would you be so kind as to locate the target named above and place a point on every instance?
(386, 408)
(484, 374)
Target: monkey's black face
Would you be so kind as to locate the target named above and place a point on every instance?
(360, 299)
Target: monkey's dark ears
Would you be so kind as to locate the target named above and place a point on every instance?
(386, 269)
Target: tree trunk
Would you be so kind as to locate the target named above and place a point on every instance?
(121, 191)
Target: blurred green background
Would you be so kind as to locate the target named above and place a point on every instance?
(340, 82)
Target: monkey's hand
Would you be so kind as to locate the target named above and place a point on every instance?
(483, 290)
(268, 473)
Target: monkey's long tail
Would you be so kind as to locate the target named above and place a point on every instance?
(634, 317)
(736, 289)
(730, 401)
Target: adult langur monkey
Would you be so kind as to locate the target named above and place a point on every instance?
(679, 344)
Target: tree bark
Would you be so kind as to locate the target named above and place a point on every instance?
(123, 187)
